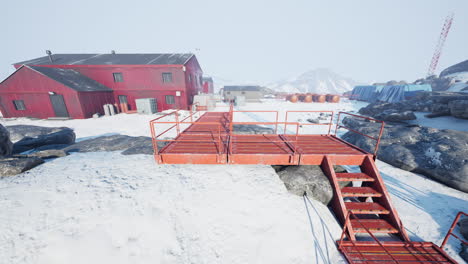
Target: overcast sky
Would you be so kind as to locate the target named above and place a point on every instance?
(245, 40)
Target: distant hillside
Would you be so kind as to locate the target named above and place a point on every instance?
(322, 81)
(461, 67)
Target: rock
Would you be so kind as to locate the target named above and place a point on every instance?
(18, 132)
(440, 109)
(464, 227)
(313, 120)
(464, 252)
(6, 147)
(459, 108)
(96, 115)
(252, 129)
(17, 165)
(393, 115)
(307, 179)
(46, 154)
(63, 135)
(438, 154)
(129, 145)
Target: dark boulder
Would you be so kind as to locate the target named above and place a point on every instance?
(307, 179)
(393, 115)
(46, 154)
(16, 165)
(18, 132)
(61, 135)
(459, 108)
(464, 227)
(6, 147)
(438, 154)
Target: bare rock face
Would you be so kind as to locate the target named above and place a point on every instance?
(464, 227)
(6, 146)
(440, 154)
(17, 165)
(459, 108)
(62, 135)
(306, 179)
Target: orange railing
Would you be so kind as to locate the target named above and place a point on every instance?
(231, 133)
(450, 232)
(252, 111)
(329, 124)
(347, 225)
(377, 139)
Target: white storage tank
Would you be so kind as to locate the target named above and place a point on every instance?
(146, 105)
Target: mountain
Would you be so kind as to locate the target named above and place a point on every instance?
(461, 67)
(321, 81)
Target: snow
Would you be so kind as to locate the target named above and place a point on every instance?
(322, 81)
(104, 207)
(443, 122)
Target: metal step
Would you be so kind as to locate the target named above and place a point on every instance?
(366, 208)
(359, 192)
(373, 225)
(354, 177)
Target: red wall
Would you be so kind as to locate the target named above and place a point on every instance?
(145, 81)
(139, 81)
(33, 88)
(92, 102)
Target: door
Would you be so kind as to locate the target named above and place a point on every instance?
(123, 99)
(59, 106)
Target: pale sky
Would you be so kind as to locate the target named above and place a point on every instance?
(245, 40)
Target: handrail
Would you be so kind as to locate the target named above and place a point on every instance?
(231, 138)
(450, 232)
(377, 139)
(348, 218)
(259, 111)
(177, 123)
(311, 124)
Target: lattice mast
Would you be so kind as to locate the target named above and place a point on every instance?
(440, 44)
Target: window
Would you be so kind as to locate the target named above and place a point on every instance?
(200, 78)
(123, 99)
(118, 77)
(167, 77)
(189, 78)
(170, 99)
(19, 104)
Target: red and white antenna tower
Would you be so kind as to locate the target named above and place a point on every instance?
(440, 44)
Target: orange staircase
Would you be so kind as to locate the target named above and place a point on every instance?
(368, 216)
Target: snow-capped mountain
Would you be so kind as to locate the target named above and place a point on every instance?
(321, 81)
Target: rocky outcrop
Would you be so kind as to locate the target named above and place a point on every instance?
(6, 147)
(305, 179)
(16, 165)
(439, 104)
(63, 135)
(393, 115)
(309, 180)
(459, 108)
(438, 154)
(18, 132)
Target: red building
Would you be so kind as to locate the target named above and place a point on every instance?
(208, 86)
(77, 85)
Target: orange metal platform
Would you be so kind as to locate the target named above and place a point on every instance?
(362, 207)
(210, 139)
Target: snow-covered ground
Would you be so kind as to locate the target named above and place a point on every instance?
(108, 208)
(443, 122)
